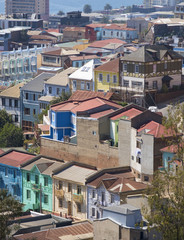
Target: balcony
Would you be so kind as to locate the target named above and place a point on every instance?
(59, 193)
(35, 187)
(78, 198)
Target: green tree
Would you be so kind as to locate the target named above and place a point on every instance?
(4, 118)
(87, 8)
(60, 13)
(9, 209)
(107, 7)
(105, 19)
(11, 136)
(64, 97)
(174, 124)
(166, 205)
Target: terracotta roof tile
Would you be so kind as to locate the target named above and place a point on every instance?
(73, 29)
(129, 114)
(118, 27)
(15, 158)
(56, 233)
(170, 149)
(111, 66)
(103, 43)
(80, 95)
(95, 25)
(156, 129)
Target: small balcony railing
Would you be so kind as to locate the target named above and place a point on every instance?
(59, 193)
(36, 187)
(78, 198)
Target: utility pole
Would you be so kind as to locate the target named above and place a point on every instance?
(40, 198)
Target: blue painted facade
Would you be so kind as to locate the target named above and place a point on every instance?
(55, 90)
(95, 203)
(11, 179)
(166, 158)
(180, 50)
(62, 124)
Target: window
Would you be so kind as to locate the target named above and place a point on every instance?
(100, 76)
(125, 67)
(78, 189)
(53, 117)
(114, 79)
(103, 198)
(49, 59)
(108, 78)
(10, 102)
(27, 111)
(93, 212)
(93, 194)
(3, 101)
(136, 68)
(112, 198)
(34, 97)
(117, 34)
(45, 181)
(6, 171)
(16, 103)
(27, 96)
(78, 207)
(94, 133)
(154, 68)
(132, 157)
(50, 90)
(46, 199)
(82, 85)
(15, 173)
(16, 118)
(28, 177)
(146, 85)
(36, 179)
(136, 84)
(104, 33)
(169, 158)
(63, 90)
(155, 85)
(34, 111)
(69, 187)
(146, 178)
(74, 85)
(28, 194)
(165, 65)
(60, 185)
(111, 33)
(87, 86)
(125, 83)
(14, 190)
(60, 202)
(58, 91)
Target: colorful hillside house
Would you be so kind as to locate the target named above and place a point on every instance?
(37, 183)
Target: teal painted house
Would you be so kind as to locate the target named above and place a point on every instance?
(37, 183)
(169, 158)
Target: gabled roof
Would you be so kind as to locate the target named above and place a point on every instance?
(37, 84)
(118, 27)
(85, 105)
(111, 66)
(151, 53)
(170, 149)
(61, 52)
(155, 129)
(15, 158)
(103, 43)
(96, 25)
(61, 78)
(45, 165)
(80, 95)
(12, 92)
(129, 114)
(69, 232)
(84, 73)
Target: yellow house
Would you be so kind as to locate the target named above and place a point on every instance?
(107, 75)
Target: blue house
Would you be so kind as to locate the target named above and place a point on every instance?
(10, 172)
(30, 105)
(63, 115)
(109, 188)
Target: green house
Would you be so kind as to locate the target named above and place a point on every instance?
(114, 122)
(37, 183)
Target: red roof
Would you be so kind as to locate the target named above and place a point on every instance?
(15, 158)
(1, 151)
(52, 30)
(95, 25)
(118, 182)
(55, 233)
(103, 43)
(131, 113)
(118, 27)
(171, 149)
(156, 129)
(111, 66)
(80, 95)
(101, 114)
(85, 105)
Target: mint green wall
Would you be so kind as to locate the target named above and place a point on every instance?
(28, 185)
